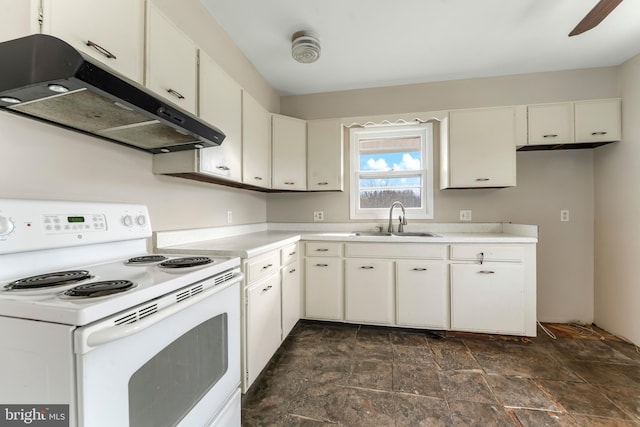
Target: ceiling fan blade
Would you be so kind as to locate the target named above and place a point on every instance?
(595, 16)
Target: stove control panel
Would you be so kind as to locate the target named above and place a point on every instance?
(29, 225)
(74, 223)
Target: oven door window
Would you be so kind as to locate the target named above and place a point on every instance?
(165, 388)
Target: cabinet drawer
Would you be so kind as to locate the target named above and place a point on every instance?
(481, 253)
(324, 249)
(289, 254)
(263, 266)
(395, 250)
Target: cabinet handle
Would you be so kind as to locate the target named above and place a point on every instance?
(259, 178)
(598, 133)
(323, 183)
(367, 267)
(292, 253)
(175, 93)
(550, 135)
(322, 265)
(292, 271)
(486, 272)
(267, 288)
(100, 49)
(483, 179)
(322, 250)
(289, 183)
(419, 269)
(267, 266)
(223, 168)
(481, 257)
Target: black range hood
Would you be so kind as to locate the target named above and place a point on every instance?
(43, 77)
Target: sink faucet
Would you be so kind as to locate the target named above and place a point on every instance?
(402, 219)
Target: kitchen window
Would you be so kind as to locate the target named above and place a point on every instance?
(388, 164)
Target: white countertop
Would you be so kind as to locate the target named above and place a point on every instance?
(252, 240)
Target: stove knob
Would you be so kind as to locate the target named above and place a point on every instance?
(6, 226)
(127, 221)
(141, 220)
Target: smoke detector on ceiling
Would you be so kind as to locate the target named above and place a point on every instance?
(305, 47)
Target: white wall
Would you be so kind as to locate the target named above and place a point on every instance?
(617, 226)
(548, 181)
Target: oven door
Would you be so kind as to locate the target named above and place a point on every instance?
(176, 366)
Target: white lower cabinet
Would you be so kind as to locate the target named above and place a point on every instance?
(263, 324)
(291, 292)
(324, 288)
(474, 287)
(369, 291)
(422, 294)
(488, 298)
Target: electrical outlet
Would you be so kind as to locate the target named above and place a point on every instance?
(564, 215)
(465, 215)
(229, 217)
(318, 215)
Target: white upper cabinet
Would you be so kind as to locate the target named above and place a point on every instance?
(171, 61)
(111, 32)
(324, 155)
(220, 101)
(590, 123)
(478, 148)
(550, 123)
(23, 21)
(598, 120)
(289, 153)
(256, 143)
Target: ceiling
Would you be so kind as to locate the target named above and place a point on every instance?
(373, 43)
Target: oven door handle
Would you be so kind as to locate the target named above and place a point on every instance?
(117, 332)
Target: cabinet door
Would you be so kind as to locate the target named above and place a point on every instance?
(110, 31)
(598, 120)
(324, 155)
(488, 298)
(550, 124)
(422, 294)
(171, 61)
(220, 103)
(324, 288)
(256, 143)
(289, 153)
(263, 325)
(369, 295)
(480, 149)
(291, 295)
(23, 19)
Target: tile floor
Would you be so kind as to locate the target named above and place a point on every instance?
(334, 374)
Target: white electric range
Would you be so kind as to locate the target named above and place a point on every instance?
(92, 320)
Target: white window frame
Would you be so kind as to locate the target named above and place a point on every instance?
(425, 133)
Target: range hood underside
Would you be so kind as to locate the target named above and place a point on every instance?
(95, 114)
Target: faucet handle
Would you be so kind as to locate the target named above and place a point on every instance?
(379, 228)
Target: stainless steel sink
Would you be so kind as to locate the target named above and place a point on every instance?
(416, 234)
(400, 234)
(372, 233)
